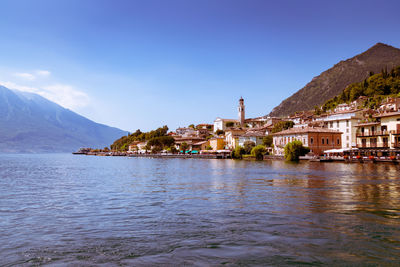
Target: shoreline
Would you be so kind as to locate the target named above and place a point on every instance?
(219, 156)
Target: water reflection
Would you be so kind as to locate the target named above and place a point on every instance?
(130, 211)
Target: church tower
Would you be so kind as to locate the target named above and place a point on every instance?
(241, 111)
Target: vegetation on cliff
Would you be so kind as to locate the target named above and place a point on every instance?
(331, 83)
(376, 87)
(122, 144)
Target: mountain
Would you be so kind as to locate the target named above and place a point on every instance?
(332, 82)
(31, 123)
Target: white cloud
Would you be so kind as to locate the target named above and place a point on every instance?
(64, 95)
(25, 75)
(43, 73)
(34, 75)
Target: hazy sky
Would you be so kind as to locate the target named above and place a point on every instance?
(144, 64)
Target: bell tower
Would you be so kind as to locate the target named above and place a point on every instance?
(241, 111)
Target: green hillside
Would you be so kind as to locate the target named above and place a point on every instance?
(376, 87)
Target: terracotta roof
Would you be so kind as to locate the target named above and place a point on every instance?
(227, 120)
(306, 130)
(252, 133)
(200, 143)
(368, 123)
(344, 111)
(387, 114)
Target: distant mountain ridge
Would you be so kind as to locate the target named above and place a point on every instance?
(332, 82)
(30, 123)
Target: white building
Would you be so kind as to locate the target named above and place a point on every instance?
(345, 122)
(222, 124)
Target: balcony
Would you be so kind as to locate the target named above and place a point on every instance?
(395, 132)
(396, 145)
(375, 133)
(374, 145)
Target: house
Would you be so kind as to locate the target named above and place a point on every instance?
(391, 104)
(252, 136)
(186, 131)
(133, 146)
(190, 140)
(317, 139)
(223, 124)
(217, 143)
(202, 145)
(232, 137)
(204, 126)
(345, 122)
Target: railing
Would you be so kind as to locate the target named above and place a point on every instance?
(396, 145)
(374, 133)
(373, 145)
(395, 131)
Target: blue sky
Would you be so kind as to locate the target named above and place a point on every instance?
(144, 64)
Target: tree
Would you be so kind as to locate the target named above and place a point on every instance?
(238, 152)
(258, 152)
(282, 125)
(191, 126)
(219, 132)
(184, 146)
(172, 149)
(209, 147)
(295, 149)
(317, 110)
(267, 140)
(248, 146)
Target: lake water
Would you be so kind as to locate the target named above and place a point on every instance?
(86, 210)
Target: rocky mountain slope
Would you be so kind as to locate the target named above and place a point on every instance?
(332, 82)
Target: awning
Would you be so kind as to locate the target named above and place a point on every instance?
(340, 150)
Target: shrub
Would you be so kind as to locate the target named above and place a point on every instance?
(258, 152)
(238, 152)
(248, 146)
(267, 140)
(294, 150)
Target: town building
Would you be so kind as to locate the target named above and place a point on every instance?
(317, 139)
(223, 124)
(345, 122)
(185, 131)
(190, 140)
(241, 112)
(253, 136)
(217, 143)
(390, 104)
(381, 137)
(232, 137)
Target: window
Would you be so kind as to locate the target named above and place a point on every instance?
(347, 145)
(337, 124)
(331, 124)
(322, 141)
(338, 141)
(347, 123)
(311, 140)
(327, 141)
(347, 138)
(347, 130)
